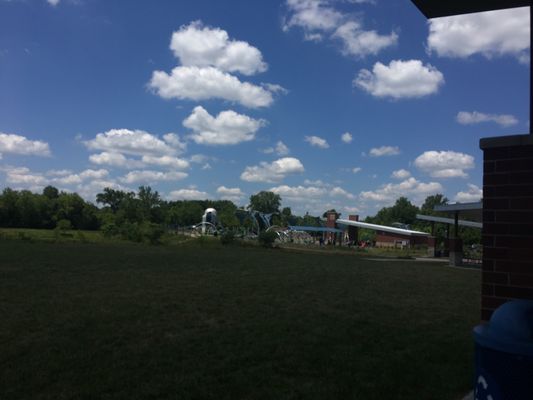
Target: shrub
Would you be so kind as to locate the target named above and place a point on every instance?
(267, 238)
(63, 225)
(109, 229)
(227, 237)
(153, 232)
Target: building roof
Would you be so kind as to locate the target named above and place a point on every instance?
(449, 221)
(383, 228)
(445, 8)
(469, 210)
(314, 229)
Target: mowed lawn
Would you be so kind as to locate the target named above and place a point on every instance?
(203, 321)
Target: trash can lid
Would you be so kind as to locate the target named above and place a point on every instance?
(510, 328)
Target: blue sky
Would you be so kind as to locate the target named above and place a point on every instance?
(344, 104)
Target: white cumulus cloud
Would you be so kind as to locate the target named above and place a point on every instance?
(17, 144)
(473, 194)
(358, 42)
(134, 142)
(492, 34)
(411, 187)
(400, 174)
(203, 83)
(231, 194)
(319, 19)
(201, 46)
(227, 128)
(274, 171)
(148, 176)
(400, 79)
(475, 117)
(347, 137)
(445, 164)
(166, 161)
(114, 160)
(317, 142)
(384, 151)
(53, 2)
(187, 194)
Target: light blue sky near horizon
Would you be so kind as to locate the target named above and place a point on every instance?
(72, 70)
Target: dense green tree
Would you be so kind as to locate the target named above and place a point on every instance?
(51, 192)
(431, 202)
(403, 212)
(112, 198)
(265, 202)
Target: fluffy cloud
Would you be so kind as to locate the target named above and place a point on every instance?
(356, 170)
(358, 42)
(166, 161)
(281, 149)
(444, 164)
(16, 144)
(494, 33)
(338, 191)
(272, 172)
(136, 142)
(298, 192)
(400, 79)
(347, 137)
(389, 192)
(23, 176)
(384, 151)
(187, 194)
(400, 174)
(147, 176)
(467, 118)
(228, 127)
(231, 194)
(114, 160)
(203, 83)
(317, 142)
(473, 194)
(53, 2)
(306, 193)
(197, 45)
(319, 19)
(76, 179)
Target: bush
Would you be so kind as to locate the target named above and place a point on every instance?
(153, 232)
(267, 238)
(109, 229)
(227, 237)
(64, 225)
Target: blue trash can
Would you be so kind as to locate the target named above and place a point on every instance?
(504, 353)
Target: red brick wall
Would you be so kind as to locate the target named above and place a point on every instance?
(507, 271)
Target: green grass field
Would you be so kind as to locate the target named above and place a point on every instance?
(202, 321)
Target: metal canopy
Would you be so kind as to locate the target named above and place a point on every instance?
(469, 210)
(449, 221)
(374, 227)
(446, 8)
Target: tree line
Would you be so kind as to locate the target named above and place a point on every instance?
(145, 214)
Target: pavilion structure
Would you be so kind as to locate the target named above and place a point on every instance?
(507, 233)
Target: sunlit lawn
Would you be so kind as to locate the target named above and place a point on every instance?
(202, 321)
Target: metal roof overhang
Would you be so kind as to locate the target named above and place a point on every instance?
(314, 229)
(446, 8)
(449, 221)
(470, 210)
(382, 228)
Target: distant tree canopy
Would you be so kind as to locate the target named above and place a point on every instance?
(24, 209)
(403, 211)
(130, 213)
(266, 202)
